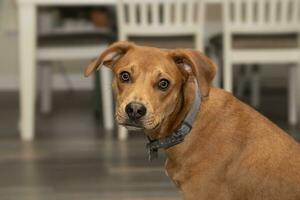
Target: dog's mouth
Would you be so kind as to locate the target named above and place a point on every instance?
(135, 126)
(132, 126)
(149, 123)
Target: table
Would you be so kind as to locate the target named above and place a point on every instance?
(28, 53)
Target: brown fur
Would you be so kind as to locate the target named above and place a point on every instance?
(232, 152)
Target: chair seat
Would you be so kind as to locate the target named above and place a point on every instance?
(71, 47)
(264, 41)
(165, 42)
(70, 53)
(259, 41)
(75, 40)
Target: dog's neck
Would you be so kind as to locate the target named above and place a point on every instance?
(182, 107)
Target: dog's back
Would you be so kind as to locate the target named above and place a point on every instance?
(267, 164)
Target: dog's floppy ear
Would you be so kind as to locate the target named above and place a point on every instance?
(195, 63)
(109, 57)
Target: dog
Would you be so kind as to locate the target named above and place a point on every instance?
(227, 150)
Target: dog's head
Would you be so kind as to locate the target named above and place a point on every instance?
(149, 82)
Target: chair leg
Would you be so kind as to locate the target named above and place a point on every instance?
(241, 82)
(217, 80)
(107, 100)
(122, 133)
(97, 95)
(46, 93)
(227, 75)
(255, 86)
(292, 95)
(199, 43)
(228, 64)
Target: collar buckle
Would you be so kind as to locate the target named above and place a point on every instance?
(183, 129)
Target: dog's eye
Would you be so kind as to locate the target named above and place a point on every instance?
(125, 76)
(163, 84)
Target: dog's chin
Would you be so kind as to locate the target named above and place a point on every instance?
(138, 127)
(133, 128)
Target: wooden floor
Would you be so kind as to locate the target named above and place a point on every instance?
(74, 159)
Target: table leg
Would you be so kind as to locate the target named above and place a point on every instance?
(46, 87)
(27, 62)
(107, 99)
(292, 95)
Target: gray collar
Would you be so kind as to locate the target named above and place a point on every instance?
(178, 134)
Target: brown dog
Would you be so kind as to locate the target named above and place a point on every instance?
(232, 152)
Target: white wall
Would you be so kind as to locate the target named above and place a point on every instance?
(8, 45)
(9, 55)
(8, 38)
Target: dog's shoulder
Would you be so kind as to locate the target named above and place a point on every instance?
(221, 100)
(237, 116)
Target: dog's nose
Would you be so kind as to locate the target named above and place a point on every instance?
(135, 110)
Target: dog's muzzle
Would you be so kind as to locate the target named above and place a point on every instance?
(135, 112)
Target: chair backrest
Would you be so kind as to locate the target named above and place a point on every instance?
(160, 18)
(262, 16)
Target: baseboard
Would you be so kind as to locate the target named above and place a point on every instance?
(77, 81)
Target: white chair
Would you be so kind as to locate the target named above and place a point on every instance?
(57, 54)
(274, 18)
(157, 18)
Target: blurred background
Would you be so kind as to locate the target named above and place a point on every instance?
(58, 139)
